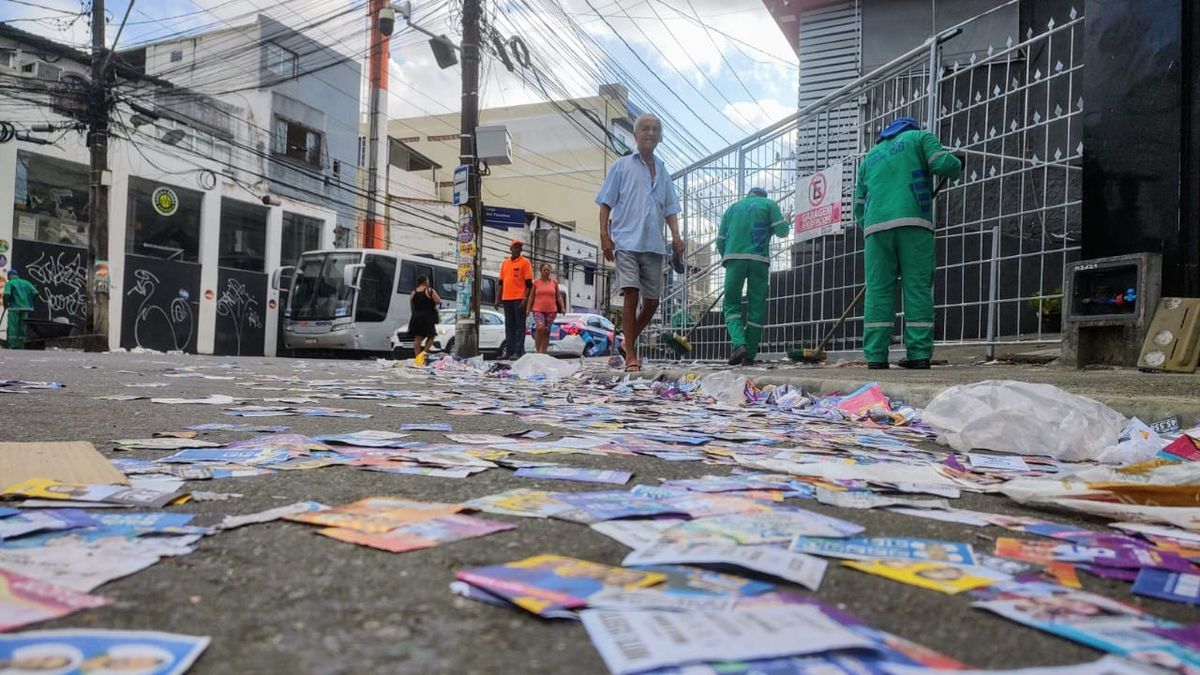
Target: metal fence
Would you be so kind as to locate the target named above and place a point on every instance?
(1004, 233)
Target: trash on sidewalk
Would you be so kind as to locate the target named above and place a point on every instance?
(100, 651)
(1024, 418)
(543, 367)
(69, 462)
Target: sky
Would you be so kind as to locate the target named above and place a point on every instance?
(714, 70)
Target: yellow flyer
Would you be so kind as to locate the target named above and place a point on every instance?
(932, 575)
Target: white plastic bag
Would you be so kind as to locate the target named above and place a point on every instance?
(1138, 443)
(726, 387)
(543, 367)
(1024, 418)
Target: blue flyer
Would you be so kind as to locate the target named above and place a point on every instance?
(66, 652)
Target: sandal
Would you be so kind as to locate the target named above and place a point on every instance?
(633, 368)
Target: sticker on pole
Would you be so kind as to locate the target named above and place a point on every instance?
(459, 194)
(819, 204)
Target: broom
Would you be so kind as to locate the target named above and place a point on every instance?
(681, 344)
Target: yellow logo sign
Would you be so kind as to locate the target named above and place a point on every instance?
(166, 202)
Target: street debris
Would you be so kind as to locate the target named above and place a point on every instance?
(712, 578)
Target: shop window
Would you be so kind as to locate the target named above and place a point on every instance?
(300, 234)
(163, 221)
(51, 200)
(243, 243)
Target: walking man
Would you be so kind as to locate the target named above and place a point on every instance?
(18, 301)
(516, 278)
(635, 200)
(893, 201)
(744, 242)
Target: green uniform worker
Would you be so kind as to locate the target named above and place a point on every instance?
(18, 300)
(744, 242)
(893, 201)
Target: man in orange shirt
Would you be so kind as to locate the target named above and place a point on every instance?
(516, 278)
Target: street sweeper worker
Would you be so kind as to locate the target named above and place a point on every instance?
(893, 202)
(744, 242)
(18, 304)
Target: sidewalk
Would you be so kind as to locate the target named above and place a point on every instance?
(1149, 396)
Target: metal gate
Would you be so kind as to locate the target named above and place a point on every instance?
(1005, 231)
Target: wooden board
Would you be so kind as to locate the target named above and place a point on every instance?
(68, 462)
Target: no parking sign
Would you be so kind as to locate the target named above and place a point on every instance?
(819, 204)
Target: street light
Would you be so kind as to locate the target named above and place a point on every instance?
(442, 46)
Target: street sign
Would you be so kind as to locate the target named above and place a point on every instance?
(819, 204)
(459, 196)
(502, 218)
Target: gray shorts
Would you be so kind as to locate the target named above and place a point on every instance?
(640, 271)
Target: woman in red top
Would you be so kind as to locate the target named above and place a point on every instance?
(545, 302)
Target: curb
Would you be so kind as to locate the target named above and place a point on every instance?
(1146, 408)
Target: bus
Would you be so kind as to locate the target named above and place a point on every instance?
(354, 299)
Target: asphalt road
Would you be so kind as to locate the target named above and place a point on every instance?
(278, 598)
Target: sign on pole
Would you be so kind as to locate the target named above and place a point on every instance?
(819, 204)
(459, 196)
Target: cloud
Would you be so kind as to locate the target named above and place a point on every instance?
(762, 113)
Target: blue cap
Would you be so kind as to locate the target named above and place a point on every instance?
(761, 192)
(13, 272)
(898, 126)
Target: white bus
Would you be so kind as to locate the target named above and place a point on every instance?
(354, 299)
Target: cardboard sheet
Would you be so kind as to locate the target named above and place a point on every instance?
(66, 462)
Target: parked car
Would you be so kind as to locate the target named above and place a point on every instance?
(491, 334)
(581, 335)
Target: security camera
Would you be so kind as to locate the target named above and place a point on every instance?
(270, 200)
(387, 21)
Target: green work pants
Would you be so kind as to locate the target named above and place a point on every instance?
(17, 328)
(907, 253)
(755, 277)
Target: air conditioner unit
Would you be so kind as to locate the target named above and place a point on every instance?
(40, 70)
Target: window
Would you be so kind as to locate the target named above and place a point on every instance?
(243, 243)
(589, 276)
(297, 142)
(280, 61)
(375, 288)
(300, 234)
(362, 151)
(176, 55)
(51, 200)
(487, 291)
(164, 221)
(409, 272)
(445, 282)
(491, 319)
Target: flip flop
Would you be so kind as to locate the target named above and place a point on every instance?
(633, 368)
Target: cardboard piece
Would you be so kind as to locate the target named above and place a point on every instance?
(64, 461)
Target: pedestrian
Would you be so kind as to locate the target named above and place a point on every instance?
(893, 201)
(422, 325)
(744, 242)
(516, 278)
(546, 302)
(18, 303)
(635, 200)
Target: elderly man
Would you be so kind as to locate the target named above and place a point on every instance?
(18, 302)
(636, 199)
(893, 201)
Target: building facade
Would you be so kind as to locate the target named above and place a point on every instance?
(191, 240)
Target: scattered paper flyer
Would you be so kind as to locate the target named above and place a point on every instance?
(24, 601)
(1167, 585)
(66, 652)
(376, 514)
(423, 534)
(635, 533)
(576, 474)
(633, 641)
(232, 522)
(521, 502)
(797, 568)
(934, 576)
(41, 488)
(886, 548)
(551, 582)
(980, 460)
(653, 598)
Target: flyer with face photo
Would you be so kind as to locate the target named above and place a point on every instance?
(71, 652)
(934, 576)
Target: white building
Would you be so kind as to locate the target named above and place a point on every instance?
(191, 243)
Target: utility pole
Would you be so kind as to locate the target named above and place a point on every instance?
(373, 231)
(466, 335)
(97, 258)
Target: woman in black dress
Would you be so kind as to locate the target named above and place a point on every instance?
(423, 324)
